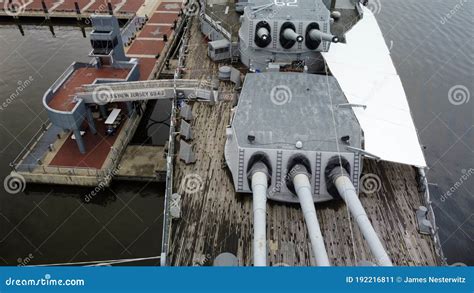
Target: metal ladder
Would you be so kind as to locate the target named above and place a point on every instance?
(279, 165)
(317, 175)
(240, 183)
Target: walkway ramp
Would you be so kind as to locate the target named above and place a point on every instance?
(146, 90)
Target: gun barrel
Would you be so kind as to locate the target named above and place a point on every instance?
(303, 190)
(317, 35)
(263, 33)
(290, 34)
(259, 190)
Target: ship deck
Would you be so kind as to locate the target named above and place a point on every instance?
(215, 219)
(226, 16)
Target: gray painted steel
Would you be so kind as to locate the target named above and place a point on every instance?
(185, 130)
(286, 115)
(186, 153)
(186, 112)
(282, 18)
(424, 224)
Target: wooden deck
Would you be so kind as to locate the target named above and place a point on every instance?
(215, 219)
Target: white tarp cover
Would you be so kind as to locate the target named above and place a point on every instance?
(366, 74)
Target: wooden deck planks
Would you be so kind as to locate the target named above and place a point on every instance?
(215, 219)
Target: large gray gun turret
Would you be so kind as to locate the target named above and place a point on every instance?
(289, 141)
(284, 32)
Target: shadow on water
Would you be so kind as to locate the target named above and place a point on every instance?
(97, 195)
(154, 126)
(55, 224)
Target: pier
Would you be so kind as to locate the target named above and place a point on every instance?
(75, 9)
(53, 157)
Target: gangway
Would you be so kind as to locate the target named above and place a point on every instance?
(146, 90)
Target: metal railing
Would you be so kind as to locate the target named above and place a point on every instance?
(181, 84)
(111, 161)
(166, 237)
(217, 26)
(30, 145)
(431, 216)
(62, 170)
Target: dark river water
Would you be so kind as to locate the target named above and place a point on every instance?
(432, 47)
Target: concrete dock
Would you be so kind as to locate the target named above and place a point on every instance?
(142, 163)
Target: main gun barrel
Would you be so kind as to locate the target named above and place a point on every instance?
(317, 35)
(263, 33)
(303, 191)
(290, 34)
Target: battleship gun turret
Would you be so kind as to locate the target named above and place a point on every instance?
(298, 162)
(284, 33)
